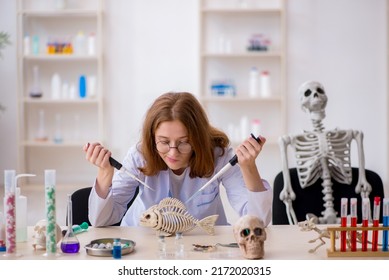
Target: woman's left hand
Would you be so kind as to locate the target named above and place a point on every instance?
(248, 151)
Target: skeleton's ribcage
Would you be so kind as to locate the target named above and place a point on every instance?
(319, 151)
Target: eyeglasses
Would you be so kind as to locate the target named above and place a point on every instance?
(182, 147)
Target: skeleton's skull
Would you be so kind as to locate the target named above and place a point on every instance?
(39, 236)
(313, 99)
(250, 234)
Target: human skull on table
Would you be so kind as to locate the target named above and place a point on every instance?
(250, 234)
(39, 236)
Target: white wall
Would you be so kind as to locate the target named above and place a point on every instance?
(343, 45)
(151, 47)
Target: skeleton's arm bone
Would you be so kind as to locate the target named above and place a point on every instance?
(362, 185)
(287, 194)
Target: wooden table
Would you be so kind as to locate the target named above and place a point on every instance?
(284, 242)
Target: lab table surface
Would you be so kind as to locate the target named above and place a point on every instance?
(283, 242)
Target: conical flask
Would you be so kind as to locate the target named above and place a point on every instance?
(70, 243)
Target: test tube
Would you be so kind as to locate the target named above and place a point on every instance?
(353, 214)
(365, 221)
(10, 211)
(376, 222)
(343, 221)
(385, 223)
(51, 240)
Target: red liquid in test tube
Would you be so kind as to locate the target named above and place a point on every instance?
(376, 222)
(353, 214)
(343, 221)
(365, 221)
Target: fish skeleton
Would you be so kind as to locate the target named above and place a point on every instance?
(170, 216)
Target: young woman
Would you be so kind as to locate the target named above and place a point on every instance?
(179, 151)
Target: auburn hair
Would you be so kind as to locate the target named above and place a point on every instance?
(203, 137)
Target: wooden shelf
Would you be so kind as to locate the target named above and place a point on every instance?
(71, 120)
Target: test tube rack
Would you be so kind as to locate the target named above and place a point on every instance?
(334, 232)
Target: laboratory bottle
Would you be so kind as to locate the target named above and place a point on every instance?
(253, 82)
(162, 250)
(35, 91)
(265, 84)
(65, 90)
(179, 245)
(70, 243)
(21, 216)
(92, 44)
(117, 249)
(244, 128)
(58, 132)
(35, 44)
(256, 127)
(41, 133)
(91, 86)
(82, 86)
(80, 43)
(72, 91)
(26, 45)
(56, 86)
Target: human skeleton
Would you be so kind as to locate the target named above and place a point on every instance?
(321, 154)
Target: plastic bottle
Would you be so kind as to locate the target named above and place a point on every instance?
(65, 90)
(72, 91)
(82, 86)
(244, 128)
(117, 249)
(80, 44)
(256, 127)
(56, 86)
(253, 82)
(91, 44)
(21, 216)
(91, 86)
(265, 84)
(26, 45)
(21, 211)
(35, 44)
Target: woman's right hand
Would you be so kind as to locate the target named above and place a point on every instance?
(96, 154)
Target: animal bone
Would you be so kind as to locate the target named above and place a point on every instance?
(309, 225)
(170, 216)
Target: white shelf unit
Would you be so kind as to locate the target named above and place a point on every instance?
(225, 29)
(78, 120)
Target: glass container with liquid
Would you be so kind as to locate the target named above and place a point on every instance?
(70, 243)
(36, 91)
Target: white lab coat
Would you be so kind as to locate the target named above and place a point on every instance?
(110, 210)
